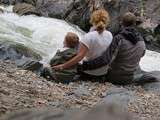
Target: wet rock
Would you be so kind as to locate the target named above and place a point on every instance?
(14, 51)
(119, 96)
(23, 56)
(25, 9)
(152, 10)
(29, 64)
(78, 11)
(153, 86)
(13, 2)
(147, 29)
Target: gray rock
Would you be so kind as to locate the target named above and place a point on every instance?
(25, 9)
(78, 11)
(119, 96)
(80, 92)
(53, 8)
(153, 87)
(14, 51)
(21, 55)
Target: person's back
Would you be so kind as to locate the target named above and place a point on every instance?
(128, 57)
(61, 57)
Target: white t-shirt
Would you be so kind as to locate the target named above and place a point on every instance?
(96, 44)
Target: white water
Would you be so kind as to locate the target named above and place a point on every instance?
(45, 36)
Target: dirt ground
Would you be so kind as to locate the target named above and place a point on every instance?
(21, 89)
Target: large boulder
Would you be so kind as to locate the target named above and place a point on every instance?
(78, 11)
(157, 33)
(25, 9)
(53, 8)
(21, 55)
(152, 10)
(119, 96)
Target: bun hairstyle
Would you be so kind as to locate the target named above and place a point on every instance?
(100, 19)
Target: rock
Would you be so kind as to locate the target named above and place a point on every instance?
(25, 9)
(153, 87)
(29, 64)
(78, 11)
(81, 91)
(102, 112)
(119, 96)
(14, 51)
(55, 9)
(23, 56)
(13, 2)
(157, 33)
(152, 10)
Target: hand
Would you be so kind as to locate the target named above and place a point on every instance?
(58, 67)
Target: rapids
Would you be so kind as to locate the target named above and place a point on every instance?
(45, 35)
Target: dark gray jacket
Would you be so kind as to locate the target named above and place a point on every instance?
(123, 55)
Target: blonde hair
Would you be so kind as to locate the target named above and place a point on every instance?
(71, 40)
(100, 19)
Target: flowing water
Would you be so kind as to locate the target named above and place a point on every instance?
(45, 35)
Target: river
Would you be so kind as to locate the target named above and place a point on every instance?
(45, 35)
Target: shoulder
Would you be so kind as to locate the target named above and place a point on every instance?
(108, 33)
(91, 34)
(88, 38)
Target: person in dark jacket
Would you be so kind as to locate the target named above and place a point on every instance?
(123, 55)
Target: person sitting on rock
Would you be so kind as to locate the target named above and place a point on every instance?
(69, 50)
(123, 55)
(92, 44)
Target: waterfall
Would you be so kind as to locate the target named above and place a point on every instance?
(45, 35)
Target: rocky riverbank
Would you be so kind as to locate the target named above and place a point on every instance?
(20, 89)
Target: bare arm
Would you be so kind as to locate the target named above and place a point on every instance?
(106, 58)
(81, 54)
